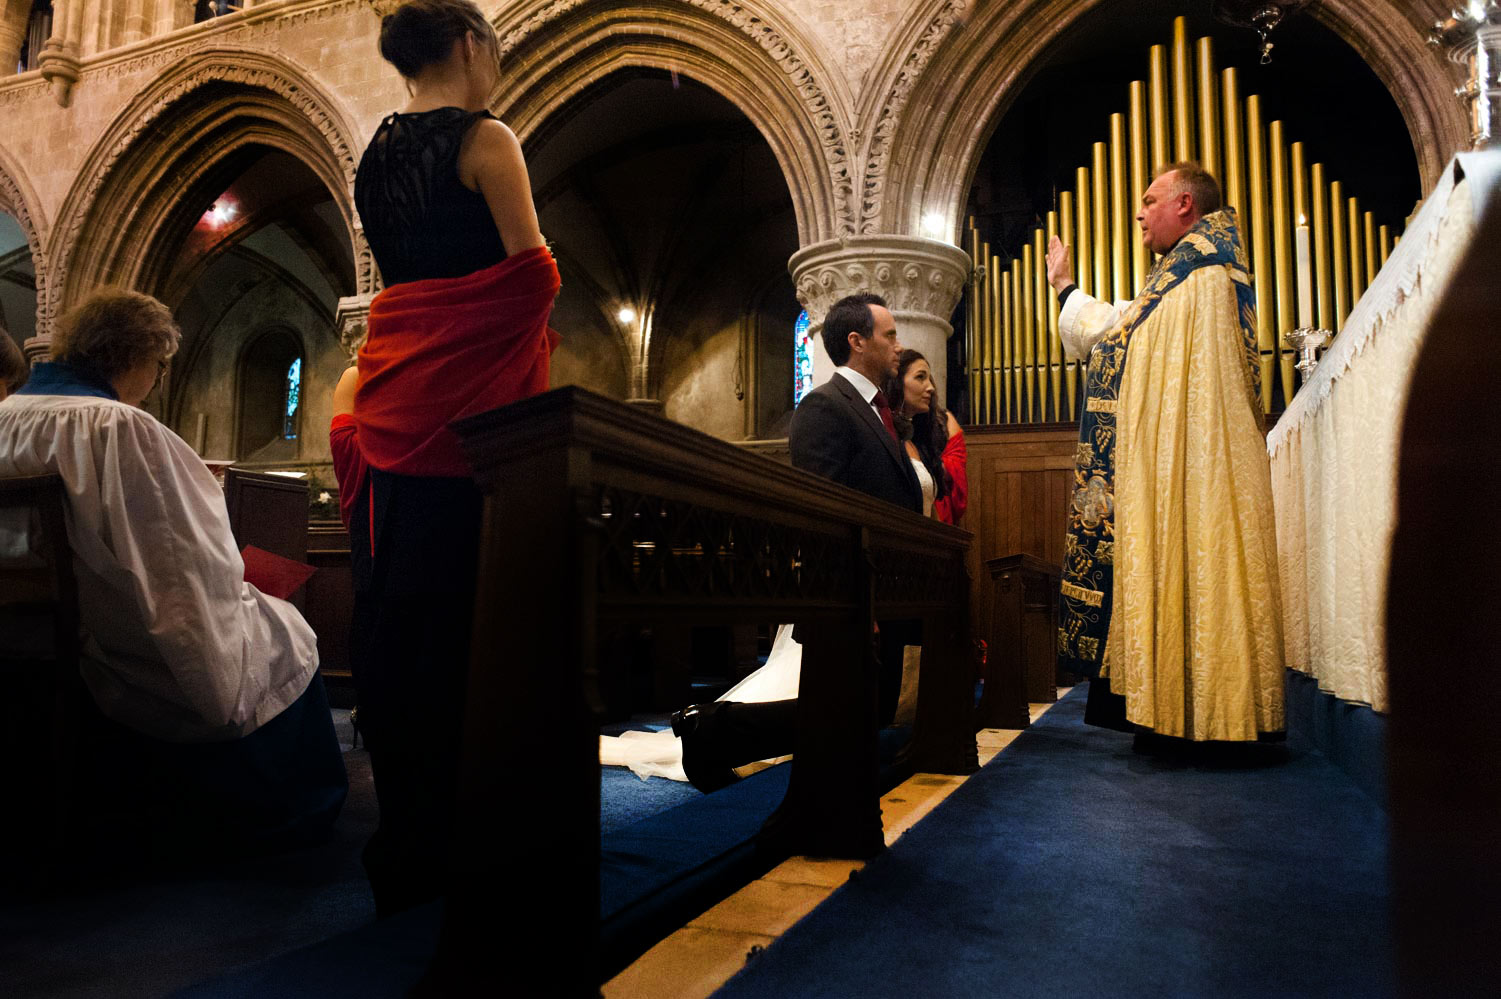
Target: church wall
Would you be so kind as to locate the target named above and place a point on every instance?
(698, 382)
(219, 318)
(898, 87)
(589, 354)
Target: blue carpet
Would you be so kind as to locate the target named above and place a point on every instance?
(1070, 866)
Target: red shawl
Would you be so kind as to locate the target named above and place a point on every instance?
(350, 468)
(955, 456)
(446, 348)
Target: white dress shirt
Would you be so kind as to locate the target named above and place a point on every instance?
(863, 385)
(177, 645)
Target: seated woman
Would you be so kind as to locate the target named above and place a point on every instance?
(211, 717)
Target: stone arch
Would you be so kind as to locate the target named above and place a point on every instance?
(741, 50)
(262, 356)
(18, 200)
(168, 142)
(970, 80)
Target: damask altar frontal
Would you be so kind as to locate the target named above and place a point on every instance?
(1335, 450)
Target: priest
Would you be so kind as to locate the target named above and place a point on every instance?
(1169, 595)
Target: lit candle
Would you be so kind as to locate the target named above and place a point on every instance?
(1305, 275)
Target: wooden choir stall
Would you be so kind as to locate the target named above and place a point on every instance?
(599, 514)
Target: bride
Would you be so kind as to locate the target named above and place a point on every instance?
(660, 754)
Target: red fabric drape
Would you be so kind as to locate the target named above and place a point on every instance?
(349, 464)
(443, 349)
(955, 457)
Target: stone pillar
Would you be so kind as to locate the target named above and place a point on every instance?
(920, 279)
(351, 318)
(136, 26)
(59, 60)
(15, 21)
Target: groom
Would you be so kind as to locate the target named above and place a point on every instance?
(842, 431)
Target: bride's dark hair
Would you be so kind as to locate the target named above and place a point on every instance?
(422, 32)
(928, 431)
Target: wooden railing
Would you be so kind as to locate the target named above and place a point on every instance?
(599, 515)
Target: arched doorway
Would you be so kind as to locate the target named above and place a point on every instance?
(224, 188)
(17, 282)
(1074, 147)
(254, 286)
(673, 223)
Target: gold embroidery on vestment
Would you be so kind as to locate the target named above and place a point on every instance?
(1089, 648)
(1101, 405)
(1090, 598)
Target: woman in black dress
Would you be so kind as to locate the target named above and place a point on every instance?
(446, 204)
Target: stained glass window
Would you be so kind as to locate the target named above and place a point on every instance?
(294, 396)
(802, 359)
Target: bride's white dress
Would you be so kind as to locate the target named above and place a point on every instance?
(660, 754)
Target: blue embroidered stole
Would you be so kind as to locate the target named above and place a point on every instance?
(1085, 603)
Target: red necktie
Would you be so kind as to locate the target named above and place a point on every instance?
(884, 408)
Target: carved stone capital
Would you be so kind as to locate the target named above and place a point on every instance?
(60, 67)
(920, 279)
(916, 276)
(350, 319)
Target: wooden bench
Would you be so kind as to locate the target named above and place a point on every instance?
(599, 514)
(39, 670)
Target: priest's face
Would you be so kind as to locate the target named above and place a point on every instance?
(1166, 213)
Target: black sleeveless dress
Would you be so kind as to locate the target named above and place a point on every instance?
(420, 219)
(414, 587)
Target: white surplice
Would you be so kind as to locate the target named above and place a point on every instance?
(177, 645)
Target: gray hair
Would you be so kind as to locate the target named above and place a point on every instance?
(113, 331)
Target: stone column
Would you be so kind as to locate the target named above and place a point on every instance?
(920, 279)
(15, 21)
(59, 60)
(351, 318)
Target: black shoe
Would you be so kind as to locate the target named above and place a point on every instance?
(703, 762)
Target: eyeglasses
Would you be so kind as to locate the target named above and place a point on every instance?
(161, 372)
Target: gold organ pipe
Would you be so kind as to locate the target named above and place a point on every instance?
(1066, 233)
(1000, 356)
(1100, 212)
(1282, 254)
(1299, 177)
(1209, 107)
(1054, 345)
(1138, 182)
(1001, 382)
(1157, 118)
(1357, 259)
(1120, 213)
(1340, 255)
(1372, 265)
(1018, 307)
(1261, 258)
(1386, 244)
(1040, 318)
(1183, 115)
(1029, 312)
(971, 323)
(1233, 170)
(1084, 241)
(1282, 249)
(987, 321)
(1319, 208)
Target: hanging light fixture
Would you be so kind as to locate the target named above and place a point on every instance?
(1261, 16)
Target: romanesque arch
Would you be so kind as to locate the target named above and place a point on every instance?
(18, 200)
(553, 51)
(972, 76)
(170, 140)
